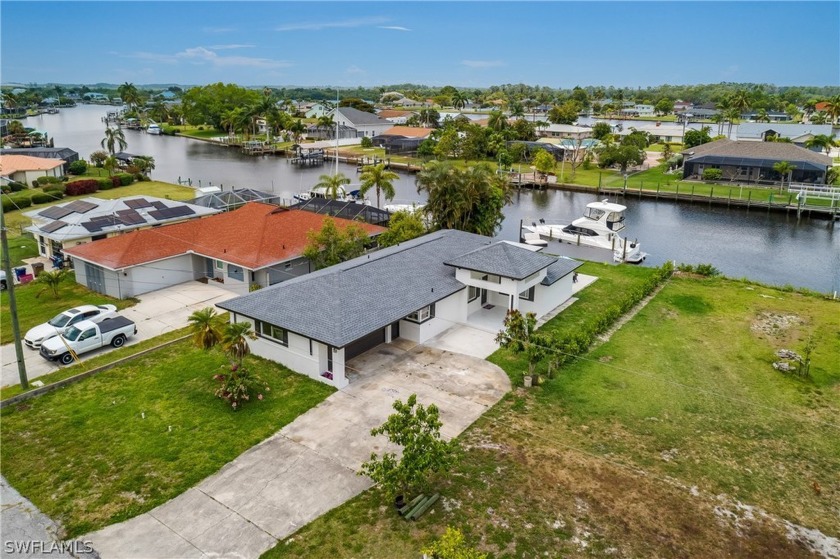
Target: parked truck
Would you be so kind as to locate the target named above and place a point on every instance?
(87, 336)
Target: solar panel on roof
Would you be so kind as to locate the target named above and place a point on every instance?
(52, 227)
(55, 212)
(93, 226)
(131, 217)
(179, 211)
(159, 205)
(138, 203)
(80, 206)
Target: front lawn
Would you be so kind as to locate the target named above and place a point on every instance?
(34, 309)
(657, 443)
(127, 440)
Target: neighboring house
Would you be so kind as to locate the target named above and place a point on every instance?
(745, 161)
(564, 131)
(67, 154)
(63, 226)
(700, 113)
(681, 106)
(316, 110)
(772, 116)
(796, 133)
(365, 124)
(406, 102)
(660, 132)
(96, 97)
(257, 244)
(402, 139)
(25, 168)
(167, 95)
(317, 323)
(638, 110)
(394, 116)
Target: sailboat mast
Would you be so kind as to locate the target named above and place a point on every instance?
(336, 131)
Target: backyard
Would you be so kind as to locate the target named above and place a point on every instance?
(128, 439)
(673, 438)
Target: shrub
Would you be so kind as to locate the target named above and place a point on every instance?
(15, 203)
(712, 174)
(41, 181)
(77, 167)
(98, 158)
(54, 188)
(367, 142)
(107, 183)
(124, 178)
(45, 197)
(16, 186)
(84, 186)
(707, 270)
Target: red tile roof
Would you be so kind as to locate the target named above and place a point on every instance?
(391, 113)
(253, 236)
(12, 163)
(409, 131)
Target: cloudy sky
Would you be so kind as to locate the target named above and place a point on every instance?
(469, 44)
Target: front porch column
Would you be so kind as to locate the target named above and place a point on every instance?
(339, 378)
(514, 303)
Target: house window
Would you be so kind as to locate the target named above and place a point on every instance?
(220, 265)
(528, 295)
(272, 332)
(422, 315)
(235, 272)
(474, 292)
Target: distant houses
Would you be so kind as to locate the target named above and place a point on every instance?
(26, 169)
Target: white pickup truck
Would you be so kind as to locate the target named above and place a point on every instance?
(87, 336)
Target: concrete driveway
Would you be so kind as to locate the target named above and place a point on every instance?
(157, 312)
(309, 467)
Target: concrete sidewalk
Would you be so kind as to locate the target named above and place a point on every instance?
(157, 312)
(309, 467)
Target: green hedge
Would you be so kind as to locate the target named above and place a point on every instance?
(46, 197)
(11, 203)
(125, 178)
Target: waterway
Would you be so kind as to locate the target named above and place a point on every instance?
(772, 248)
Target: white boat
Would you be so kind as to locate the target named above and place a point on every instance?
(598, 228)
(341, 195)
(153, 128)
(410, 208)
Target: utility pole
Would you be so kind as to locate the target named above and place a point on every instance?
(10, 286)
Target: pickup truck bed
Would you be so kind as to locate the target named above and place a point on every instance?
(111, 324)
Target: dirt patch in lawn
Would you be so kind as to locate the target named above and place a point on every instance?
(776, 325)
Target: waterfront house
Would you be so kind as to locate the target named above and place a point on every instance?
(315, 110)
(564, 131)
(364, 123)
(66, 154)
(395, 116)
(255, 245)
(796, 133)
(745, 162)
(402, 139)
(316, 324)
(82, 221)
(25, 168)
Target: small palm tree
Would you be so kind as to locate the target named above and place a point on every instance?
(333, 184)
(235, 340)
(376, 176)
(110, 164)
(821, 141)
(51, 280)
(205, 328)
(785, 169)
(145, 163)
(113, 137)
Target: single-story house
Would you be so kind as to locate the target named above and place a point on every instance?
(772, 116)
(747, 161)
(67, 154)
(255, 245)
(402, 139)
(661, 132)
(564, 131)
(316, 110)
(365, 124)
(395, 116)
(25, 168)
(638, 110)
(796, 133)
(82, 221)
(95, 97)
(316, 324)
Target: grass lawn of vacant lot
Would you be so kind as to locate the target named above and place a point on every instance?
(657, 443)
(34, 309)
(126, 440)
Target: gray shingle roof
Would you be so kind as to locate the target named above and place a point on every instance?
(340, 304)
(754, 130)
(503, 259)
(776, 151)
(358, 117)
(562, 267)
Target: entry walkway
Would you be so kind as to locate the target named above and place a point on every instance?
(157, 312)
(309, 467)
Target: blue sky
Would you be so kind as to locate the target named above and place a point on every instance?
(469, 44)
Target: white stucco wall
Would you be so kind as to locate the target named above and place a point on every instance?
(548, 298)
(448, 311)
(157, 275)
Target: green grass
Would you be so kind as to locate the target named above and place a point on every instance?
(34, 309)
(16, 221)
(122, 442)
(20, 247)
(682, 396)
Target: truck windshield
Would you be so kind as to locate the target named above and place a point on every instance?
(72, 333)
(60, 320)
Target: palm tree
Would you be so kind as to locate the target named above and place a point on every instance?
(741, 100)
(832, 108)
(205, 328)
(297, 129)
(110, 164)
(333, 184)
(818, 118)
(376, 176)
(497, 121)
(51, 281)
(459, 99)
(328, 123)
(762, 116)
(145, 163)
(129, 94)
(821, 141)
(785, 169)
(235, 340)
(113, 137)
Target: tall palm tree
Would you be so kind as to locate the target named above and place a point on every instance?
(741, 100)
(497, 121)
(110, 164)
(205, 328)
(333, 184)
(762, 116)
(821, 141)
(129, 94)
(785, 169)
(235, 340)
(459, 99)
(832, 108)
(376, 176)
(146, 163)
(297, 129)
(113, 137)
(327, 122)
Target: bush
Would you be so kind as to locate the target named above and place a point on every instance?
(84, 186)
(707, 270)
(41, 181)
(107, 183)
(11, 203)
(124, 178)
(98, 158)
(46, 197)
(712, 174)
(367, 142)
(61, 188)
(77, 167)
(16, 186)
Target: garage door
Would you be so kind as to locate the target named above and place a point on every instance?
(363, 344)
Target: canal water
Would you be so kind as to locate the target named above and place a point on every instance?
(772, 248)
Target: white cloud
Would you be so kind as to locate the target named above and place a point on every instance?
(482, 63)
(229, 47)
(321, 25)
(202, 56)
(394, 27)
